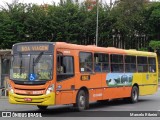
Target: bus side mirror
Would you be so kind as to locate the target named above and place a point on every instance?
(4, 60)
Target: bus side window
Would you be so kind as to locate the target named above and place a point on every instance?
(152, 64)
(86, 62)
(97, 67)
(101, 62)
(117, 64)
(65, 67)
(142, 64)
(60, 67)
(130, 63)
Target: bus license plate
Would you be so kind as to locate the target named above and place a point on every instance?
(28, 99)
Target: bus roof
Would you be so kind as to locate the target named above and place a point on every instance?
(140, 53)
(35, 42)
(110, 50)
(90, 48)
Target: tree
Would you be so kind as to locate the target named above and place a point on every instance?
(152, 18)
(128, 22)
(154, 44)
(11, 26)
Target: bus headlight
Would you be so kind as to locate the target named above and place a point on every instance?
(50, 89)
(10, 89)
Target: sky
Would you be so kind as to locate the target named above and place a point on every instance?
(39, 2)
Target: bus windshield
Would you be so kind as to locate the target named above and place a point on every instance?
(32, 67)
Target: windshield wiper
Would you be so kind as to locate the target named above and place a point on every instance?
(37, 59)
(20, 55)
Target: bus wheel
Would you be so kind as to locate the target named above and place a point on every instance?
(81, 101)
(42, 107)
(134, 94)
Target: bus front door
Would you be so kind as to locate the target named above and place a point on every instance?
(65, 78)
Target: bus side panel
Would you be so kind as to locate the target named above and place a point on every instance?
(65, 95)
(119, 89)
(148, 90)
(146, 82)
(91, 93)
(97, 84)
(120, 92)
(89, 80)
(137, 79)
(149, 85)
(93, 84)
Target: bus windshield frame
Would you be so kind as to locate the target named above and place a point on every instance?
(32, 62)
(27, 67)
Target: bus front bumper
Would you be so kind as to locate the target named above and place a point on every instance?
(44, 100)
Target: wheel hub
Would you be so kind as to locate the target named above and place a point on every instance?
(135, 95)
(82, 101)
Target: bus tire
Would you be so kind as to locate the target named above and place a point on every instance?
(134, 94)
(42, 107)
(81, 101)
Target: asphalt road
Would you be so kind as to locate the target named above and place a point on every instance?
(119, 109)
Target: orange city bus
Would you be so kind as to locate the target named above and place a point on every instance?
(54, 73)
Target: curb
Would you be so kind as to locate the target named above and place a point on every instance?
(3, 97)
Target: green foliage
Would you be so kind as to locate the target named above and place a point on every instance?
(128, 24)
(143, 49)
(152, 17)
(154, 44)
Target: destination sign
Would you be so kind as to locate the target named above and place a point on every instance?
(27, 48)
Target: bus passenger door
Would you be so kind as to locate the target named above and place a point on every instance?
(65, 77)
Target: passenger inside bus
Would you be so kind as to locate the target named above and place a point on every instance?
(60, 67)
(97, 68)
(88, 67)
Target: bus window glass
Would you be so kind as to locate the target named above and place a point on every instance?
(44, 67)
(86, 62)
(117, 63)
(65, 67)
(142, 64)
(101, 62)
(68, 64)
(130, 63)
(39, 66)
(152, 64)
(117, 58)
